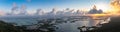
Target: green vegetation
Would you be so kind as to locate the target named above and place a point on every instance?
(7, 27)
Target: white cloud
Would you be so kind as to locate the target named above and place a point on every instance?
(2, 12)
(31, 12)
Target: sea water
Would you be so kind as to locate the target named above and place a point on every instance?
(63, 27)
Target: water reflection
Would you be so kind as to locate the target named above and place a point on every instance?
(63, 24)
(71, 24)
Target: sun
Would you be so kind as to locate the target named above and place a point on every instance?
(102, 6)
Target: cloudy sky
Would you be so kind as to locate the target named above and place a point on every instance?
(32, 5)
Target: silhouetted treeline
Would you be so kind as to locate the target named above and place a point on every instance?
(7, 27)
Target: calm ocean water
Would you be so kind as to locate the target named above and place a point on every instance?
(63, 27)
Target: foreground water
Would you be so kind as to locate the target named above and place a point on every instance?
(63, 27)
(71, 27)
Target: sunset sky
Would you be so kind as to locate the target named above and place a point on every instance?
(47, 5)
